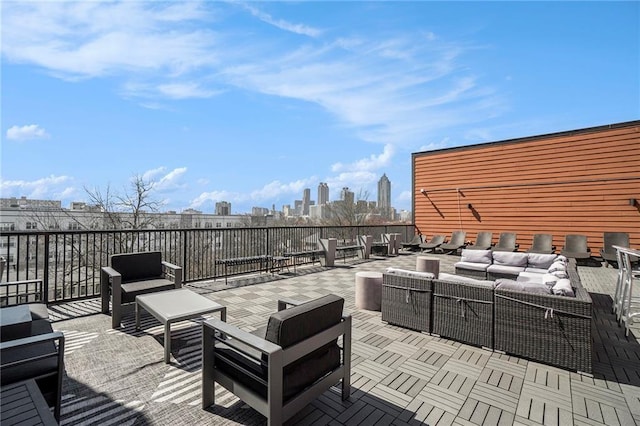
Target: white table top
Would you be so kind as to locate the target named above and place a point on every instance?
(171, 305)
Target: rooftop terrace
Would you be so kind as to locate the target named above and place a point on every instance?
(399, 376)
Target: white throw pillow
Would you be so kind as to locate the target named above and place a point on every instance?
(563, 288)
(549, 279)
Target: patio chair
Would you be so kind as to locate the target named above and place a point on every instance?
(414, 244)
(543, 243)
(281, 368)
(435, 241)
(608, 253)
(456, 242)
(483, 241)
(575, 246)
(29, 348)
(506, 242)
(132, 274)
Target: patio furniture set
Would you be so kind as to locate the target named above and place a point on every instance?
(304, 349)
(517, 315)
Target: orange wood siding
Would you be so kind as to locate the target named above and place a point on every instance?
(567, 183)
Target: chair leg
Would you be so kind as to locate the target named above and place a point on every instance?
(208, 354)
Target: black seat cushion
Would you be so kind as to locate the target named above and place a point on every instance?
(138, 266)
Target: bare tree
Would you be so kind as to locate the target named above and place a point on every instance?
(133, 209)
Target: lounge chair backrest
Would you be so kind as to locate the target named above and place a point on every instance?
(542, 242)
(484, 239)
(576, 243)
(437, 239)
(507, 239)
(138, 266)
(457, 238)
(620, 239)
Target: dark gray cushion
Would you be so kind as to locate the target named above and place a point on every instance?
(138, 266)
(295, 324)
(133, 289)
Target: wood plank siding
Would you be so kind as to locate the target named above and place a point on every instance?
(577, 182)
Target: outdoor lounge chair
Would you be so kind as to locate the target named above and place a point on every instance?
(483, 241)
(30, 349)
(132, 274)
(506, 242)
(280, 369)
(575, 246)
(414, 244)
(543, 243)
(435, 241)
(456, 242)
(608, 253)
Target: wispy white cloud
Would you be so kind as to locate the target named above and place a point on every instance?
(29, 131)
(281, 23)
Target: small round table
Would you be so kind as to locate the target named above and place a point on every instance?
(368, 290)
(428, 264)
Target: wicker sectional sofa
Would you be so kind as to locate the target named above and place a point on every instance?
(547, 328)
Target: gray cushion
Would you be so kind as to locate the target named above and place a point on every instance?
(529, 277)
(471, 266)
(535, 270)
(541, 261)
(138, 266)
(133, 289)
(467, 280)
(410, 274)
(508, 258)
(528, 287)
(476, 256)
(38, 311)
(505, 269)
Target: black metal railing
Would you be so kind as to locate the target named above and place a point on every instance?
(69, 262)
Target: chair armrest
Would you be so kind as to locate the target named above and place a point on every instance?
(111, 272)
(245, 337)
(31, 340)
(174, 271)
(283, 303)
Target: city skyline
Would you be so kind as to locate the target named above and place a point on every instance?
(252, 102)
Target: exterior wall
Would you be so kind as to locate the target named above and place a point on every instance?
(577, 182)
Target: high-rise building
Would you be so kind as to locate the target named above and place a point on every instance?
(323, 193)
(223, 208)
(306, 199)
(347, 196)
(384, 196)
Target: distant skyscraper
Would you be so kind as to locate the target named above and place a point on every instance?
(323, 193)
(306, 199)
(223, 208)
(346, 195)
(384, 196)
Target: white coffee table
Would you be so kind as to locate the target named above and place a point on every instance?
(175, 305)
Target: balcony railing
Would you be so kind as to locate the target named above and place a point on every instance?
(69, 262)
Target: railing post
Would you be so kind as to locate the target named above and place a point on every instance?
(185, 271)
(266, 249)
(45, 275)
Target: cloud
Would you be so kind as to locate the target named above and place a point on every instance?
(282, 24)
(276, 189)
(37, 189)
(373, 162)
(212, 196)
(29, 131)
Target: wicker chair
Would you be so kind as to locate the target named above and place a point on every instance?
(406, 300)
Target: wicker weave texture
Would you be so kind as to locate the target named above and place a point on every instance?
(406, 301)
(551, 329)
(463, 312)
(471, 273)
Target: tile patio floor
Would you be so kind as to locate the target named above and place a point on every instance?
(398, 376)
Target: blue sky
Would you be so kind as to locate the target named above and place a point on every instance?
(251, 102)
